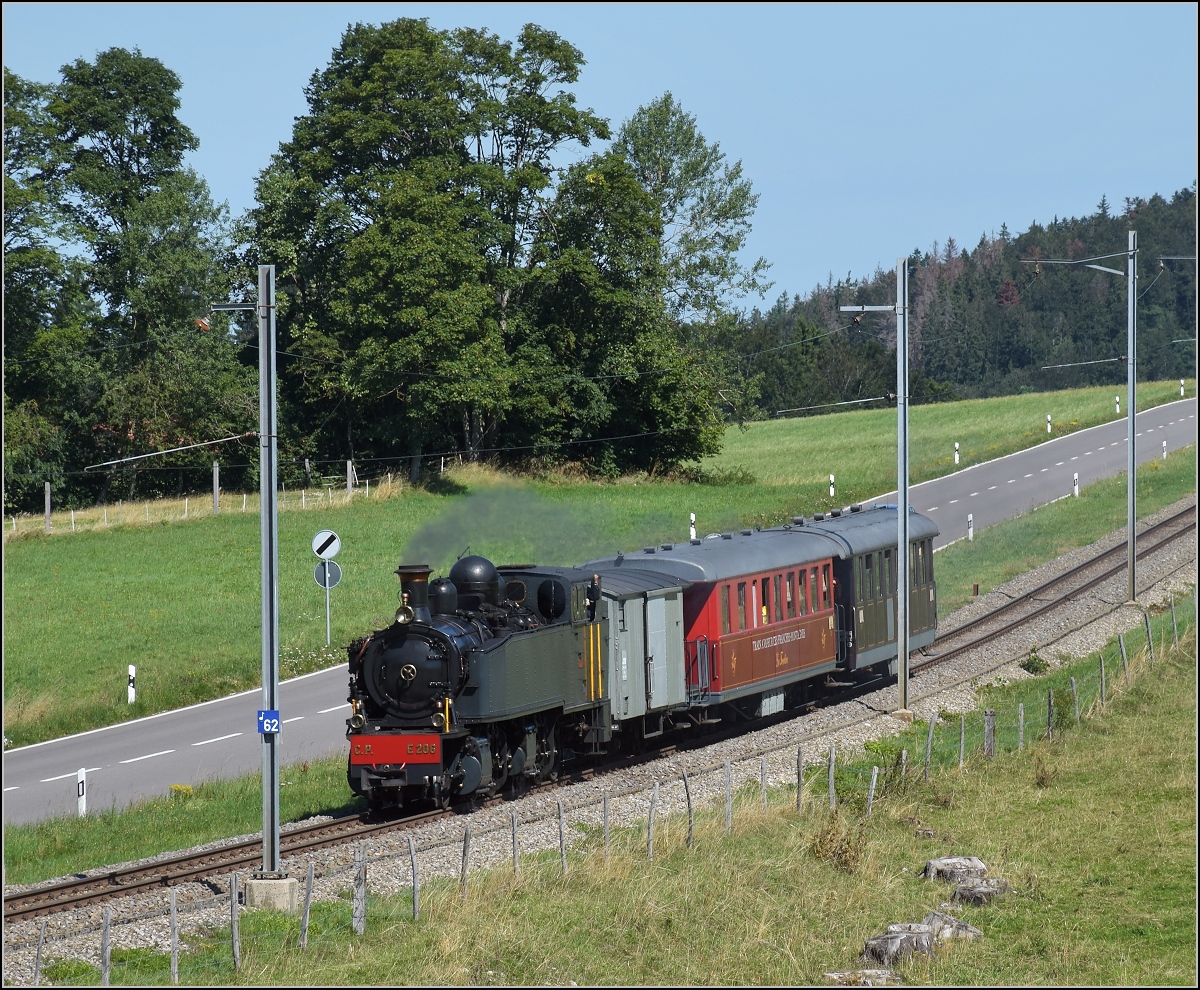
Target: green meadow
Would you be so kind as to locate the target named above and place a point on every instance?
(180, 598)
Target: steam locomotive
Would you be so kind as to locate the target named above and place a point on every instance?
(494, 676)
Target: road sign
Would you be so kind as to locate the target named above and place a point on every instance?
(268, 722)
(326, 545)
(327, 574)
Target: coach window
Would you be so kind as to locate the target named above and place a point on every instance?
(888, 575)
(814, 591)
(790, 580)
(869, 570)
(778, 599)
(766, 601)
(859, 582)
(741, 605)
(921, 564)
(724, 610)
(825, 598)
(802, 592)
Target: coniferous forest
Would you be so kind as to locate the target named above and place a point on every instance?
(447, 287)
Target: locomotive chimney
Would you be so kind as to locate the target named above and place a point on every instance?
(414, 589)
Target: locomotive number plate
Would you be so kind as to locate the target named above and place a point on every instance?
(400, 748)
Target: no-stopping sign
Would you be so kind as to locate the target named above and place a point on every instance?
(326, 544)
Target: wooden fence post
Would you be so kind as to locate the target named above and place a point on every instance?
(728, 798)
(871, 792)
(606, 838)
(962, 740)
(359, 910)
(106, 948)
(903, 765)
(174, 940)
(762, 777)
(47, 507)
(233, 919)
(308, 890)
(37, 957)
(1174, 624)
(832, 791)
(1124, 658)
(929, 745)
(1103, 685)
(416, 880)
(650, 826)
(799, 776)
(562, 836)
(516, 848)
(1075, 699)
(687, 794)
(1149, 636)
(466, 856)
(1020, 726)
(989, 734)
(1050, 714)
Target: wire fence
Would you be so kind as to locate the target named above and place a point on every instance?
(326, 494)
(214, 939)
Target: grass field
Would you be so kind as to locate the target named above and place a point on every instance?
(1096, 831)
(179, 598)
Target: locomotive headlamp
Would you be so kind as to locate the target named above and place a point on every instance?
(405, 615)
(357, 721)
(439, 721)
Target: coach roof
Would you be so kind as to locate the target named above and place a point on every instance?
(729, 555)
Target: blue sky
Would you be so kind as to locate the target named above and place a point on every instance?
(867, 130)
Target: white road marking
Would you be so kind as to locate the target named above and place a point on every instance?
(1044, 470)
(149, 756)
(64, 776)
(953, 500)
(296, 719)
(1029, 476)
(7, 789)
(1059, 464)
(1087, 453)
(992, 488)
(1101, 448)
(231, 735)
(326, 711)
(934, 509)
(1075, 458)
(1011, 480)
(973, 494)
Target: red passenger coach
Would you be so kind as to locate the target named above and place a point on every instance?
(766, 610)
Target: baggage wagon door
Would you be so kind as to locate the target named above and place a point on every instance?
(664, 651)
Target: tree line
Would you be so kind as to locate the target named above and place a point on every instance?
(446, 284)
(991, 320)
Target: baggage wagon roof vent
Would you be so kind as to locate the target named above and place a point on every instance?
(856, 508)
(798, 520)
(819, 516)
(647, 549)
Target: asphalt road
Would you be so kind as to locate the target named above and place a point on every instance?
(220, 738)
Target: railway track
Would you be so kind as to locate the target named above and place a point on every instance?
(1051, 594)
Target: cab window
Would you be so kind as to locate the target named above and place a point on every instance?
(741, 605)
(826, 601)
(766, 601)
(724, 610)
